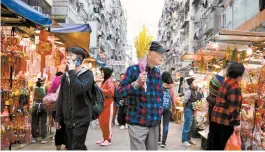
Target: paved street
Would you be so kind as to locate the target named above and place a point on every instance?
(121, 140)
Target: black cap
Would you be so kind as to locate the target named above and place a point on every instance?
(156, 47)
(189, 81)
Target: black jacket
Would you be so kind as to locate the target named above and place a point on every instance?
(71, 107)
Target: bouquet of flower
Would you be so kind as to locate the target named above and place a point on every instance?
(142, 45)
(197, 106)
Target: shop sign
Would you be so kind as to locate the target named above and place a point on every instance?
(114, 62)
(59, 10)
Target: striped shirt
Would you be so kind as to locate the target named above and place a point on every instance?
(226, 110)
(144, 108)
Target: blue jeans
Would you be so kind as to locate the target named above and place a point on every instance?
(188, 119)
(166, 118)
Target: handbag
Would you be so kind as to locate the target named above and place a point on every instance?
(51, 97)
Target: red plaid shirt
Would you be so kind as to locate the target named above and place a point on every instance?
(227, 108)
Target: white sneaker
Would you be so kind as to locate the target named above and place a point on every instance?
(43, 141)
(122, 127)
(192, 142)
(186, 143)
(126, 126)
(105, 143)
(33, 141)
(100, 141)
(163, 146)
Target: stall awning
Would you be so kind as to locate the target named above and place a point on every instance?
(73, 34)
(26, 11)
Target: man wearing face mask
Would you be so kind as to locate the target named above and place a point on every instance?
(73, 107)
(144, 107)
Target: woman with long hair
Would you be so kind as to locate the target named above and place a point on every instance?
(106, 117)
(169, 99)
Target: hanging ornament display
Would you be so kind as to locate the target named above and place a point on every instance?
(44, 48)
(234, 56)
(243, 56)
(202, 64)
(43, 36)
(228, 53)
(58, 57)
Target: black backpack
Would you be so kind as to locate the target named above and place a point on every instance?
(97, 99)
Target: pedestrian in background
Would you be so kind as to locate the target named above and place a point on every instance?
(72, 107)
(169, 99)
(190, 96)
(39, 111)
(225, 116)
(122, 109)
(60, 138)
(106, 117)
(144, 107)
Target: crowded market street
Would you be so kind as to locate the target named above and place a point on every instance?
(132, 75)
(121, 140)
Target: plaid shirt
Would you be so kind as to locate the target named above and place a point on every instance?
(144, 108)
(226, 110)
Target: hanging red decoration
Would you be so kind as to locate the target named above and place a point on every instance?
(44, 48)
(58, 57)
(43, 36)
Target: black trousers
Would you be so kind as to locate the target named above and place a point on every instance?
(79, 136)
(122, 114)
(210, 133)
(220, 135)
(166, 118)
(39, 112)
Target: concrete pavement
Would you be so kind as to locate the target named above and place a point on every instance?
(120, 140)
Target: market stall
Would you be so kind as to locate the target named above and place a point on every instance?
(19, 22)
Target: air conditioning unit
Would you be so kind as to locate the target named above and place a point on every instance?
(38, 8)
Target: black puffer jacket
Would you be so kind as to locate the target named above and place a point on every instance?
(72, 107)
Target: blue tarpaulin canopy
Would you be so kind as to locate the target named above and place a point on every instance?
(26, 11)
(70, 28)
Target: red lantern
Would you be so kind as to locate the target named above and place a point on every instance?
(43, 35)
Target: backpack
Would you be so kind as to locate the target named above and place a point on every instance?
(166, 100)
(97, 99)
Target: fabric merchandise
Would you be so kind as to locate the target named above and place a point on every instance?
(188, 119)
(220, 136)
(228, 104)
(144, 108)
(166, 118)
(39, 112)
(106, 117)
(79, 136)
(143, 138)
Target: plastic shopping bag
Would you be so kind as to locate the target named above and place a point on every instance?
(234, 142)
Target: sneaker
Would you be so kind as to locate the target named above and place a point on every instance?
(192, 142)
(186, 144)
(43, 141)
(33, 141)
(100, 141)
(126, 126)
(105, 143)
(122, 127)
(159, 143)
(163, 146)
